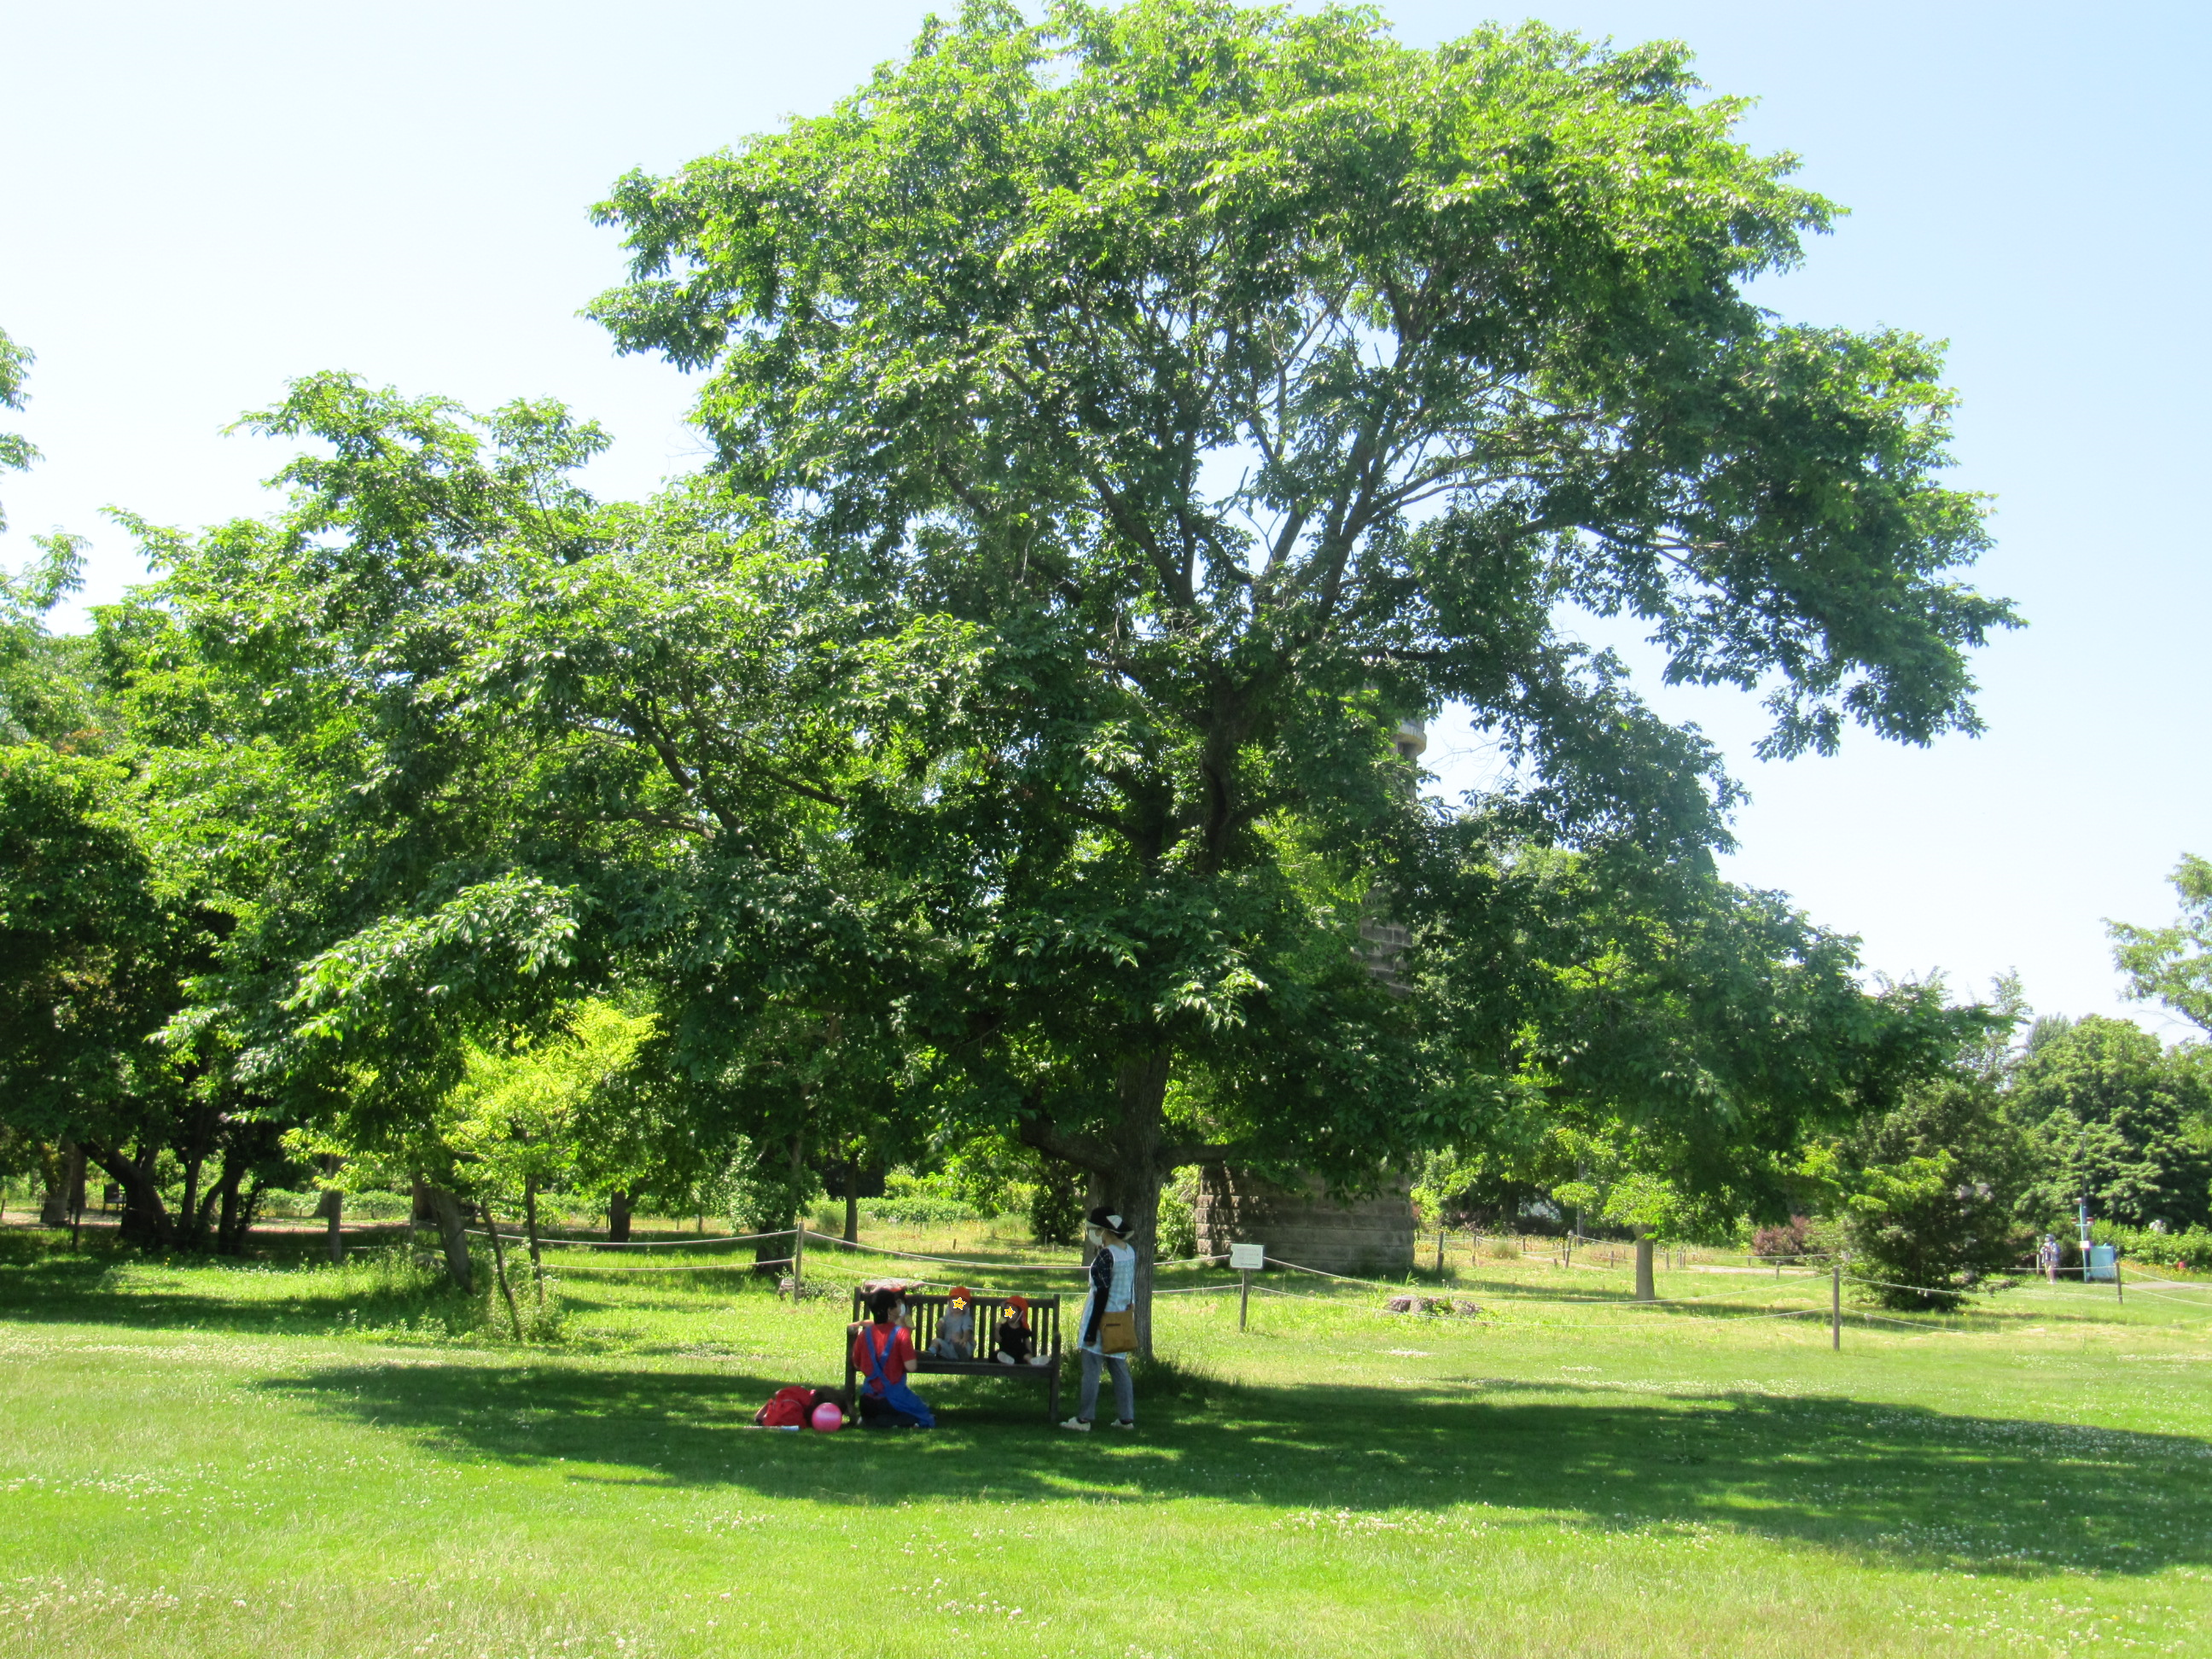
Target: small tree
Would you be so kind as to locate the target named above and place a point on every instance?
(1930, 1192)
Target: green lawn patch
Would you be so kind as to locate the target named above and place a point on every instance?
(281, 1458)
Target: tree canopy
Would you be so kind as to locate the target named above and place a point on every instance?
(1242, 383)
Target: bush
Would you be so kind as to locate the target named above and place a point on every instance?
(1056, 1207)
(916, 1210)
(1177, 1239)
(2191, 1248)
(1785, 1242)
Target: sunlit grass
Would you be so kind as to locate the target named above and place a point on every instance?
(280, 1458)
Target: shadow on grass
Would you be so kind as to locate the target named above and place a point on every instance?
(1902, 1484)
(45, 1282)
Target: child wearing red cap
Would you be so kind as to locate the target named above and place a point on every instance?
(955, 1330)
(1013, 1344)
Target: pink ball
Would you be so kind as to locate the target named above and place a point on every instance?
(828, 1417)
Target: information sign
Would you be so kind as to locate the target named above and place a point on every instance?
(1248, 1258)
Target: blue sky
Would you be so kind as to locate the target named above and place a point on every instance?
(198, 202)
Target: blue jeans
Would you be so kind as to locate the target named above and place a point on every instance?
(1124, 1389)
(897, 1406)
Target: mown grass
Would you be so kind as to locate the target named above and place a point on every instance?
(281, 1458)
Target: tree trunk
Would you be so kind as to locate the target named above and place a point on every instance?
(853, 1199)
(618, 1217)
(789, 1214)
(452, 1217)
(333, 1212)
(1127, 1167)
(192, 1207)
(1133, 1186)
(145, 1219)
(229, 1235)
(530, 1225)
(499, 1268)
(53, 1204)
(1646, 1290)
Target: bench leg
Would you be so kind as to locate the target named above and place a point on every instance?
(1052, 1401)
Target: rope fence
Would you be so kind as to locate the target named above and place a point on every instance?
(1668, 1309)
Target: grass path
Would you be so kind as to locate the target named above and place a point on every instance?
(198, 1460)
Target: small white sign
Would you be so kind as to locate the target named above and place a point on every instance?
(1248, 1258)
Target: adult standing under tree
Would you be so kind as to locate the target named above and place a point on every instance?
(1113, 1291)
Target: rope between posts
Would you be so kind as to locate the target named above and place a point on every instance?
(1909, 1324)
(698, 1243)
(1592, 1324)
(992, 1266)
(674, 1267)
(1602, 1301)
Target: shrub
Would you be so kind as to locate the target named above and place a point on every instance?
(1056, 1206)
(1178, 1234)
(917, 1210)
(2190, 1248)
(1788, 1240)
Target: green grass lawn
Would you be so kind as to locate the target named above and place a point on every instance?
(281, 1458)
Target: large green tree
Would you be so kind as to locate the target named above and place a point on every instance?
(2117, 1119)
(503, 748)
(1241, 382)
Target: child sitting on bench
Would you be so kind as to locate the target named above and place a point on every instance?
(956, 1328)
(1014, 1343)
(882, 1352)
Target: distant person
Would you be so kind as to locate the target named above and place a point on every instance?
(883, 1353)
(2047, 1257)
(1113, 1291)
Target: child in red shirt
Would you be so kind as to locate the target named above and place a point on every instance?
(882, 1352)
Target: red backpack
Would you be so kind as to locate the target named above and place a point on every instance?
(787, 1408)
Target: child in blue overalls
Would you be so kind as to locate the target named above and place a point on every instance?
(882, 1352)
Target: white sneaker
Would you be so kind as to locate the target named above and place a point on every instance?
(1081, 1425)
(1125, 1422)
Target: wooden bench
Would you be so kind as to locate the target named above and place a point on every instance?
(1044, 1332)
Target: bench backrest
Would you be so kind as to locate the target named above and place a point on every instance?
(928, 1310)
